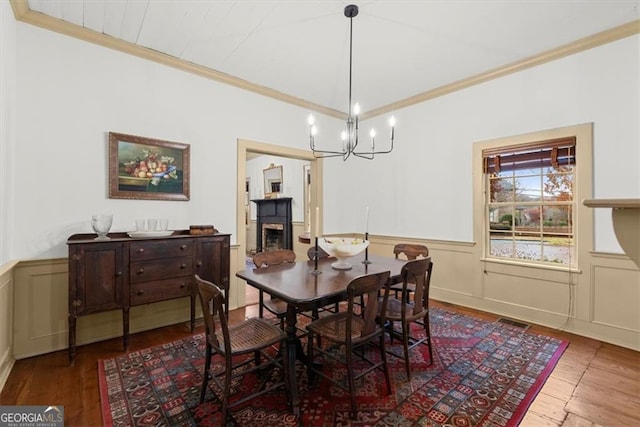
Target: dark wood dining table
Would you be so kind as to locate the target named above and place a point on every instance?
(304, 288)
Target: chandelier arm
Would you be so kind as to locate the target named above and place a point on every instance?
(324, 154)
(363, 156)
(373, 152)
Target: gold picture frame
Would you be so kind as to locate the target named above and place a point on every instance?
(147, 169)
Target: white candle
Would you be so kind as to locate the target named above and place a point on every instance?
(317, 230)
(366, 219)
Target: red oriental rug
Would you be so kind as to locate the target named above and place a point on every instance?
(483, 374)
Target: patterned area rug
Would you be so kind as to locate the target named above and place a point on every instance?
(483, 374)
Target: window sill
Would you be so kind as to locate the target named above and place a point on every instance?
(531, 265)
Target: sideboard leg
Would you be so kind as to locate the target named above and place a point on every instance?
(72, 339)
(125, 327)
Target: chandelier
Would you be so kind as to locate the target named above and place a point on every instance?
(349, 135)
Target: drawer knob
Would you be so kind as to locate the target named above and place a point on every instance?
(183, 266)
(141, 271)
(183, 247)
(199, 263)
(141, 291)
(183, 285)
(140, 250)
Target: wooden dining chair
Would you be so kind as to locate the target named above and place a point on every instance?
(272, 304)
(410, 251)
(253, 336)
(350, 330)
(418, 274)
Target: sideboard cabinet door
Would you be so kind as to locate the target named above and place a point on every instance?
(212, 261)
(97, 282)
(98, 272)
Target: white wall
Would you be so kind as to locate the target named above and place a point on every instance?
(72, 93)
(424, 188)
(7, 125)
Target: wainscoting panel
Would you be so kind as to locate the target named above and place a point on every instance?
(6, 324)
(615, 297)
(602, 302)
(548, 296)
(40, 311)
(41, 298)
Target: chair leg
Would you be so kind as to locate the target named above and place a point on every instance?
(405, 345)
(226, 393)
(310, 373)
(349, 360)
(261, 304)
(427, 331)
(385, 368)
(205, 374)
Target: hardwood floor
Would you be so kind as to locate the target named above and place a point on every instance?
(594, 383)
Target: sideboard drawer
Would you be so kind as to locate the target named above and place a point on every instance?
(159, 269)
(144, 293)
(149, 249)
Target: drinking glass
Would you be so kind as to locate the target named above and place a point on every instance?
(141, 224)
(101, 224)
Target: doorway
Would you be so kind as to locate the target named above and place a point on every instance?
(246, 150)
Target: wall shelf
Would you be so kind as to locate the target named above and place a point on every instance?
(625, 214)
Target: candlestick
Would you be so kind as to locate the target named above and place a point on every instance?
(366, 250)
(317, 230)
(366, 220)
(315, 260)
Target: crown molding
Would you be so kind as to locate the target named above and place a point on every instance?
(24, 14)
(580, 45)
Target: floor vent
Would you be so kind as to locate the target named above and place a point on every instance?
(514, 323)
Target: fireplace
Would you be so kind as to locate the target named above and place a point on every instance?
(272, 237)
(274, 224)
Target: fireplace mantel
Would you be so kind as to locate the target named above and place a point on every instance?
(274, 211)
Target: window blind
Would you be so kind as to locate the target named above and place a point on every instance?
(551, 153)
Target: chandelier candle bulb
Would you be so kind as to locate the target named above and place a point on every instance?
(392, 123)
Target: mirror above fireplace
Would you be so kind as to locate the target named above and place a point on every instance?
(273, 185)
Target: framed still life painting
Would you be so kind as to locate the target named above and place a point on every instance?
(147, 169)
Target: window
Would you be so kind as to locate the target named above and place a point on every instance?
(529, 201)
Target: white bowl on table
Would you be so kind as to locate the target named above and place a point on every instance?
(342, 248)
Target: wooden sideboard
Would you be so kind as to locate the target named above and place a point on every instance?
(122, 272)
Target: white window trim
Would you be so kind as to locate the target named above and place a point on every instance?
(583, 189)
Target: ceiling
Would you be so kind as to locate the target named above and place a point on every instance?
(402, 50)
